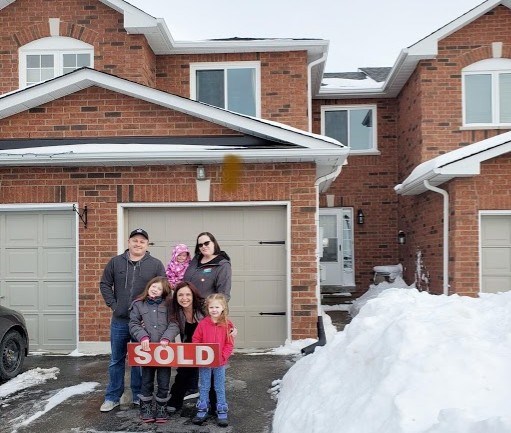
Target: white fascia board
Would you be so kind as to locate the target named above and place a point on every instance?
(83, 78)
(463, 162)
(5, 3)
(204, 156)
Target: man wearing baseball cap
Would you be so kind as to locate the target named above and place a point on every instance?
(124, 279)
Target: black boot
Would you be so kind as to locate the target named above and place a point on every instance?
(146, 410)
(160, 413)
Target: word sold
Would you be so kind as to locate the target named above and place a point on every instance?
(174, 355)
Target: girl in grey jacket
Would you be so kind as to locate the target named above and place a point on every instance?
(149, 322)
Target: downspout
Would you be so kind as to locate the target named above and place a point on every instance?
(309, 86)
(321, 329)
(446, 234)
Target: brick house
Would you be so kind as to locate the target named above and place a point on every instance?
(107, 123)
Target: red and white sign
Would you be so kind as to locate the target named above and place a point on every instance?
(174, 355)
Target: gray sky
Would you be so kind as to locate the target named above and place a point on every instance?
(361, 32)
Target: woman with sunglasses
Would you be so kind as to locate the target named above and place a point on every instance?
(210, 269)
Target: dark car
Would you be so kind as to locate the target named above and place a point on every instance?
(13, 343)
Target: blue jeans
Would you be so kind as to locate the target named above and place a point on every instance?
(205, 374)
(119, 339)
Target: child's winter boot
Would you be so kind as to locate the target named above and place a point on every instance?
(202, 412)
(146, 409)
(160, 413)
(221, 415)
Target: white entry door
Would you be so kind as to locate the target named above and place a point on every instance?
(337, 261)
(495, 253)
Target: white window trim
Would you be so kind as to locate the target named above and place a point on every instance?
(492, 67)
(55, 45)
(194, 67)
(374, 150)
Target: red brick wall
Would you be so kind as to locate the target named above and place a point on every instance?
(283, 81)
(102, 188)
(116, 52)
(367, 183)
(430, 121)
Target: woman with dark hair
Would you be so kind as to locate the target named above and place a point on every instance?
(186, 311)
(210, 269)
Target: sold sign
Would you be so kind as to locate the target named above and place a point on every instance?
(174, 355)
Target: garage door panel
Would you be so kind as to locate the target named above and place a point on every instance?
(497, 259)
(59, 328)
(496, 230)
(266, 258)
(33, 329)
(259, 270)
(21, 229)
(266, 331)
(494, 284)
(23, 295)
(58, 230)
(60, 295)
(257, 223)
(59, 263)
(21, 262)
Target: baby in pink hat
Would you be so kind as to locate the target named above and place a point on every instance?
(178, 264)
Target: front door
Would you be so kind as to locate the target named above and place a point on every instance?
(337, 261)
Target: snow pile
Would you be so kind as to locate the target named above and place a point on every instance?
(409, 362)
(374, 291)
(28, 379)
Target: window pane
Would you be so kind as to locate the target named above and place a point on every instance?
(83, 60)
(33, 61)
(361, 129)
(46, 74)
(336, 125)
(69, 60)
(478, 99)
(210, 87)
(33, 76)
(241, 91)
(505, 98)
(47, 61)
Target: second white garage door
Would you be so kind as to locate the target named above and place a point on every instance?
(495, 253)
(254, 238)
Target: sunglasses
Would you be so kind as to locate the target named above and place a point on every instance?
(205, 244)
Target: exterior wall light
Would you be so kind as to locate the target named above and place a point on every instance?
(360, 217)
(401, 237)
(201, 173)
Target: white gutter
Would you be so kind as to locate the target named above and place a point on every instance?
(309, 86)
(446, 234)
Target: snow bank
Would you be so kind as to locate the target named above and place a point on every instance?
(409, 362)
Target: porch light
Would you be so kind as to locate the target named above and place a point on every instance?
(360, 217)
(401, 237)
(201, 173)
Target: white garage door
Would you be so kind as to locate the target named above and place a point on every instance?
(37, 275)
(254, 239)
(496, 253)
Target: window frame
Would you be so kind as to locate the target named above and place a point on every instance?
(57, 46)
(256, 65)
(493, 67)
(370, 151)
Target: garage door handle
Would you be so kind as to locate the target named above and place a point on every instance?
(272, 242)
(278, 313)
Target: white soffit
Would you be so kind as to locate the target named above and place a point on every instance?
(463, 162)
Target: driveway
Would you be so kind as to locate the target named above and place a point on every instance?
(249, 377)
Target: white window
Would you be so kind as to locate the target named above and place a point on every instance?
(50, 57)
(233, 86)
(353, 126)
(487, 93)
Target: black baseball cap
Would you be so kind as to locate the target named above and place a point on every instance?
(140, 232)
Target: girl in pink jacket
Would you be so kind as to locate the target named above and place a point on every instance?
(214, 328)
(178, 265)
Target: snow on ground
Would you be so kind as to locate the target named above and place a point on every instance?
(28, 379)
(409, 362)
(61, 396)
